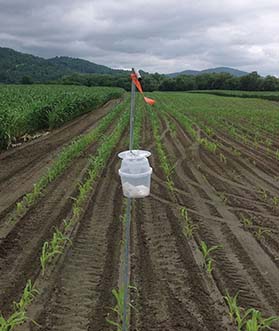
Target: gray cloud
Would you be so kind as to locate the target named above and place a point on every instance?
(157, 35)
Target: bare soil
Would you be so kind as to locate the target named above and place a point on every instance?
(174, 292)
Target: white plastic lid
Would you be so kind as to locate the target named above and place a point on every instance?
(134, 154)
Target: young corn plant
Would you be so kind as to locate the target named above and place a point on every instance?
(28, 295)
(263, 194)
(209, 131)
(172, 129)
(53, 248)
(256, 322)
(118, 309)
(275, 202)
(206, 252)
(188, 226)
(247, 320)
(210, 146)
(259, 234)
(247, 222)
(232, 303)
(16, 319)
(222, 158)
(20, 208)
(236, 312)
(19, 316)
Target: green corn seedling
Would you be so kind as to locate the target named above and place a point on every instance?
(259, 234)
(275, 201)
(188, 226)
(232, 303)
(250, 319)
(256, 322)
(208, 260)
(263, 194)
(118, 309)
(53, 248)
(235, 311)
(17, 318)
(20, 208)
(247, 222)
(222, 158)
(28, 295)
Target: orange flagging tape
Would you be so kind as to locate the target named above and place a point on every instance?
(150, 101)
(138, 85)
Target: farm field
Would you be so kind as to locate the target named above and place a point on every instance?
(243, 94)
(25, 109)
(215, 184)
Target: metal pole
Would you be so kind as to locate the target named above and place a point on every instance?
(126, 264)
(132, 115)
(128, 218)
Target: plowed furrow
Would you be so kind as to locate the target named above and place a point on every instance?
(20, 246)
(89, 271)
(169, 260)
(247, 246)
(81, 298)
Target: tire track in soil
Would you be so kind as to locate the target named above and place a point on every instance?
(20, 249)
(81, 298)
(171, 292)
(246, 202)
(268, 299)
(258, 176)
(23, 166)
(263, 160)
(172, 295)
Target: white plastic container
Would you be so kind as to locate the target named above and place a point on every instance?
(135, 173)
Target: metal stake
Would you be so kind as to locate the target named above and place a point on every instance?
(128, 217)
(132, 114)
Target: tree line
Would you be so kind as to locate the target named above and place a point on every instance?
(158, 82)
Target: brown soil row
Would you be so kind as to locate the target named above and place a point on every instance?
(81, 298)
(242, 264)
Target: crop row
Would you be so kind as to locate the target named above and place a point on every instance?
(55, 246)
(273, 96)
(252, 122)
(116, 317)
(64, 159)
(244, 319)
(252, 114)
(26, 109)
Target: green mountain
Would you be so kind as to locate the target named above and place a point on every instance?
(234, 72)
(82, 66)
(16, 67)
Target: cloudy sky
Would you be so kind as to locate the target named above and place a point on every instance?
(154, 35)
